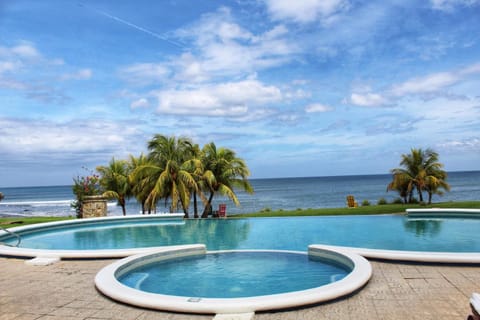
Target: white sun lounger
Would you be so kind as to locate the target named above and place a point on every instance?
(475, 306)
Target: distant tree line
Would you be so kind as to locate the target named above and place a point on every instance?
(420, 172)
(175, 171)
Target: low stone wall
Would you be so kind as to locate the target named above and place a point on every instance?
(94, 206)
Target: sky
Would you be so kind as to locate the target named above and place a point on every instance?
(295, 88)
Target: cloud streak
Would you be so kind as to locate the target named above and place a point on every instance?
(305, 11)
(427, 86)
(132, 25)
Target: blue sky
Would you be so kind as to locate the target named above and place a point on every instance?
(296, 88)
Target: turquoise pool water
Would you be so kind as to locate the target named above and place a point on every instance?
(392, 232)
(234, 274)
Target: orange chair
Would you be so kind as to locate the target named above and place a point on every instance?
(351, 203)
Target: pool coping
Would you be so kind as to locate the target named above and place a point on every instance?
(107, 283)
(411, 256)
(443, 213)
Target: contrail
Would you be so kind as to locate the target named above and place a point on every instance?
(153, 34)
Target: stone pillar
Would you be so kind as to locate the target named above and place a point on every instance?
(94, 206)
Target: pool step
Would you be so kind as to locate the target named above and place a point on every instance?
(42, 261)
(234, 316)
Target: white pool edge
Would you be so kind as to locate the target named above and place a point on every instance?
(410, 256)
(107, 283)
(443, 213)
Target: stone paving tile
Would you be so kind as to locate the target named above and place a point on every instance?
(66, 291)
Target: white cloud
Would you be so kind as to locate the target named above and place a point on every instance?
(64, 139)
(427, 84)
(433, 82)
(474, 68)
(291, 117)
(300, 82)
(204, 79)
(305, 11)
(367, 99)
(24, 50)
(221, 47)
(190, 69)
(317, 107)
(24, 69)
(8, 66)
(449, 5)
(140, 103)
(83, 74)
(472, 143)
(13, 84)
(144, 73)
(391, 124)
(225, 99)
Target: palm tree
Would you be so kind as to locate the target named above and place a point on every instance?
(114, 179)
(195, 167)
(223, 172)
(1, 196)
(168, 170)
(435, 181)
(421, 171)
(401, 184)
(141, 185)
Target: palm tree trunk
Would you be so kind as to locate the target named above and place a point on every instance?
(122, 204)
(420, 195)
(184, 208)
(195, 206)
(208, 206)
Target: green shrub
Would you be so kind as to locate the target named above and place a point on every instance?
(397, 201)
(365, 203)
(266, 210)
(414, 201)
(382, 201)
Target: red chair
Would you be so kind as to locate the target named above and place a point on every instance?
(222, 210)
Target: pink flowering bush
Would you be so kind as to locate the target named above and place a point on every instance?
(85, 186)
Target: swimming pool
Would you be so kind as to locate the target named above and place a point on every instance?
(112, 236)
(233, 274)
(194, 280)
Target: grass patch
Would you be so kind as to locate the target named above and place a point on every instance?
(21, 221)
(363, 210)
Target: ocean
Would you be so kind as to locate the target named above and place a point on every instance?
(272, 194)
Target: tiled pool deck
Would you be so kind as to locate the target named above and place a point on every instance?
(65, 291)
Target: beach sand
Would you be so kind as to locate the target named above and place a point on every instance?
(65, 291)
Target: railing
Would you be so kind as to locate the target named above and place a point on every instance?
(19, 239)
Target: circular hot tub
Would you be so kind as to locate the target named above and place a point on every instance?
(190, 279)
